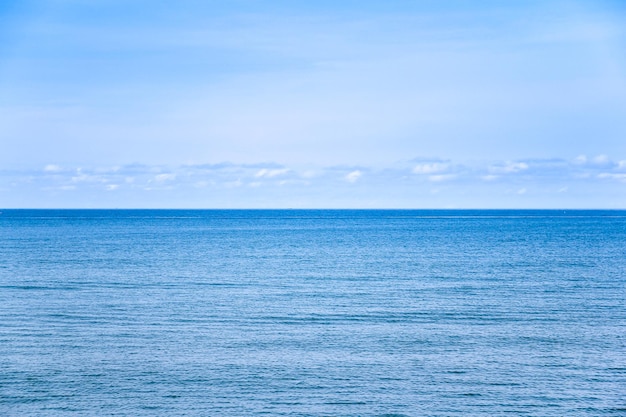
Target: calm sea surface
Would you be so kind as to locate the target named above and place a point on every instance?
(312, 313)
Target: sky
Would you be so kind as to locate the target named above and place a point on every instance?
(312, 104)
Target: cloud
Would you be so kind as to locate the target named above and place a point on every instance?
(164, 177)
(247, 185)
(601, 160)
(52, 168)
(612, 176)
(353, 176)
(271, 173)
(581, 159)
(508, 168)
(441, 178)
(431, 168)
(227, 174)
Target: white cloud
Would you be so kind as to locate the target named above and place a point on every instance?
(508, 168)
(52, 168)
(580, 159)
(82, 176)
(463, 183)
(440, 178)
(608, 175)
(601, 160)
(353, 176)
(598, 160)
(104, 170)
(270, 173)
(286, 182)
(164, 177)
(430, 168)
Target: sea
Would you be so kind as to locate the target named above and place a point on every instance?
(312, 313)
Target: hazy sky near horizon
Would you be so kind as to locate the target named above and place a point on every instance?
(253, 103)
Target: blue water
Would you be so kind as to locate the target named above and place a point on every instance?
(312, 313)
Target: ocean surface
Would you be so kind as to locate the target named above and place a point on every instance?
(312, 313)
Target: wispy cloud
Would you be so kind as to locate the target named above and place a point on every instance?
(164, 177)
(353, 176)
(430, 168)
(52, 168)
(271, 173)
(508, 167)
(538, 181)
(441, 177)
(599, 167)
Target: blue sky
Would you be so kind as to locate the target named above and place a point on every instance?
(313, 104)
